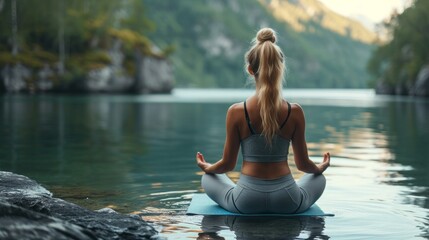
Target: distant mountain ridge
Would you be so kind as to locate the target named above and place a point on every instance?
(211, 37)
(298, 12)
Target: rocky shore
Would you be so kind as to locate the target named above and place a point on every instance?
(420, 88)
(29, 211)
(151, 74)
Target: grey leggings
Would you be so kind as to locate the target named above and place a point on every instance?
(254, 195)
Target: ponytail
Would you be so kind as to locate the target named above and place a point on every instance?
(265, 59)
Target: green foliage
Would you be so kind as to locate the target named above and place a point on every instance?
(133, 40)
(35, 59)
(398, 61)
(212, 36)
(85, 29)
(89, 60)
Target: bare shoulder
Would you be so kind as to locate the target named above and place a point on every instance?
(297, 110)
(296, 107)
(234, 115)
(236, 107)
(235, 110)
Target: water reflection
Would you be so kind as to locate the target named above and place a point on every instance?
(67, 138)
(263, 227)
(407, 131)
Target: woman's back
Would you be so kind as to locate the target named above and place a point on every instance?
(266, 169)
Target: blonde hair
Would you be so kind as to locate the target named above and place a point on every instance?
(265, 60)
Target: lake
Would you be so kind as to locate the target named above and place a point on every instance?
(136, 154)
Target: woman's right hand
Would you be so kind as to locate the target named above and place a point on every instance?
(326, 162)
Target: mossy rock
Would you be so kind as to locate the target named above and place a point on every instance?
(133, 40)
(43, 55)
(32, 59)
(89, 61)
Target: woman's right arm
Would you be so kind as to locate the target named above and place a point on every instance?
(231, 146)
(299, 146)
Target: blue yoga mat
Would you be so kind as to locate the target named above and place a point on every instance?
(201, 204)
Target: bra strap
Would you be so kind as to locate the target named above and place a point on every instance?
(248, 119)
(288, 114)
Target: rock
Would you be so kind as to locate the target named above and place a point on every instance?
(14, 184)
(421, 87)
(25, 203)
(44, 80)
(111, 78)
(14, 77)
(20, 223)
(384, 88)
(401, 89)
(97, 80)
(106, 210)
(154, 75)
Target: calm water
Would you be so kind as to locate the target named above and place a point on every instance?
(136, 154)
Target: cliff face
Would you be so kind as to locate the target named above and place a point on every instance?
(151, 75)
(418, 88)
(421, 87)
(79, 46)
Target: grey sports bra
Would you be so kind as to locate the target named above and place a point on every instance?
(256, 149)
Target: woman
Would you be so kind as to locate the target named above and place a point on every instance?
(263, 126)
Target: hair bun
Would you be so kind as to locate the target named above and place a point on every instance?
(266, 34)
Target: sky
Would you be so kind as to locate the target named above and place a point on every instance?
(369, 12)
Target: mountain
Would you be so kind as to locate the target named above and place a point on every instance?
(323, 49)
(297, 13)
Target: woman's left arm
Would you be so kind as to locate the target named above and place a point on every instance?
(231, 147)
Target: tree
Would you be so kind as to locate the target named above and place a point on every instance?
(69, 36)
(14, 29)
(398, 61)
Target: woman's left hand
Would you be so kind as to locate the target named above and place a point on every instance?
(201, 162)
(326, 162)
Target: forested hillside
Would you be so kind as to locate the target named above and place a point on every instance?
(117, 46)
(210, 38)
(401, 65)
(74, 45)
